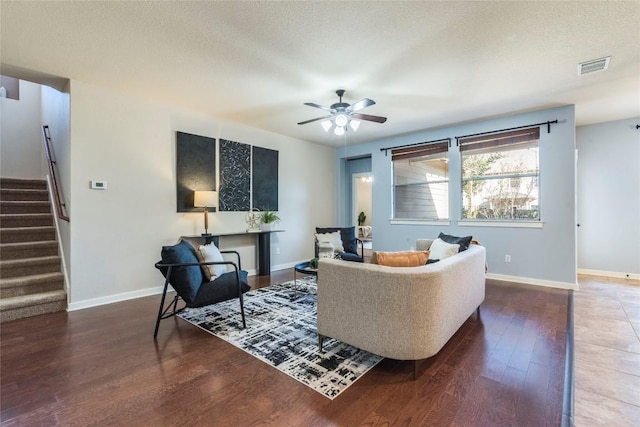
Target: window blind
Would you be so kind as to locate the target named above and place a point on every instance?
(421, 150)
(499, 139)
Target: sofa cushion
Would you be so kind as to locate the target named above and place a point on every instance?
(401, 258)
(464, 242)
(334, 239)
(210, 253)
(348, 237)
(440, 249)
(185, 280)
(221, 289)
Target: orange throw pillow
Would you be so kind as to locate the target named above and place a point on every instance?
(401, 259)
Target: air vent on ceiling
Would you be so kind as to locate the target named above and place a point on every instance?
(593, 66)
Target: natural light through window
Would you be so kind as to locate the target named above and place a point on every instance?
(421, 184)
(500, 175)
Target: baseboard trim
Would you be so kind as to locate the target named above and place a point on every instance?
(532, 281)
(286, 265)
(604, 273)
(94, 302)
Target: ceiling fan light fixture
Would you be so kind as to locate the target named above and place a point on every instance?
(341, 115)
(341, 120)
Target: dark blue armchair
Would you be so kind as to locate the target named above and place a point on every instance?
(183, 271)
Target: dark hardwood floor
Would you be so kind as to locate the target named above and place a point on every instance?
(101, 366)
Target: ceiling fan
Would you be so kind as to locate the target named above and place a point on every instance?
(343, 115)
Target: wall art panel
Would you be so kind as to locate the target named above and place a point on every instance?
(195, 168)
(235, 176)
(265, 179)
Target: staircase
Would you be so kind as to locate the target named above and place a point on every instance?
(31, 279)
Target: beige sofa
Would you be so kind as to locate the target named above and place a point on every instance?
(404, 313)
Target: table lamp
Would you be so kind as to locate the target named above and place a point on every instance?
(206, 200)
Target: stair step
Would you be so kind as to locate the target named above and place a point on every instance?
(27, 267)
(23, 194)
(33, 284)
(22, 207)
(22, 306)
(28, 250)
(26, 220)
(27, 234)
(35, 184)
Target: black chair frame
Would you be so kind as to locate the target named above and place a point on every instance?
(171, 309)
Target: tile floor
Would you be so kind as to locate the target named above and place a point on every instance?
(607, 352)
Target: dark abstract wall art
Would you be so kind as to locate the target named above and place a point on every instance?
(235, 176)
(265, 179)
(195, 168)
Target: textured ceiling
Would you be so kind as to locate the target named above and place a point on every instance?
(426, 64)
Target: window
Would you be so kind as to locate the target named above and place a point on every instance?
(500, 176)
(421, 182)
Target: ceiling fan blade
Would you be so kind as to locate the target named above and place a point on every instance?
(314, 120)
(363, 103)
(368, 117)
(313, 104)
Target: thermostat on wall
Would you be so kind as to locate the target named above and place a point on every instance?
(99, 185)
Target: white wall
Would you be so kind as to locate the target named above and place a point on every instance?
(117, 234)
(54, 112)
(544, 256)
(20, 136)
(609, 198)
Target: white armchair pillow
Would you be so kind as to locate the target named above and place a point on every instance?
(331, 238)
(210, 253)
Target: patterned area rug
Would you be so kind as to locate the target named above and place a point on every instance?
(281, 331)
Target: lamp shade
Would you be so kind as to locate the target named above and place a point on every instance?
(205, 199)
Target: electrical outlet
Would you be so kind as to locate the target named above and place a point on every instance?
(277, 251)
(507, 258)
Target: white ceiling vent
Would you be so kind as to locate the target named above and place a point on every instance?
(593, 66)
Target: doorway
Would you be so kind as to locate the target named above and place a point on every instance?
(362, 207)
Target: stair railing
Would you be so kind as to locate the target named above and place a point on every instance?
(51, 162)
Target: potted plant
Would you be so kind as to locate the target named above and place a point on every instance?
(361, 218)
(267, 218)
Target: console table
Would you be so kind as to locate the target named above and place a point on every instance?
(264, 246)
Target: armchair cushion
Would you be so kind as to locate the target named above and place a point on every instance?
(221, 289)
(185, 280)
(347, 256)
(348, 235)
